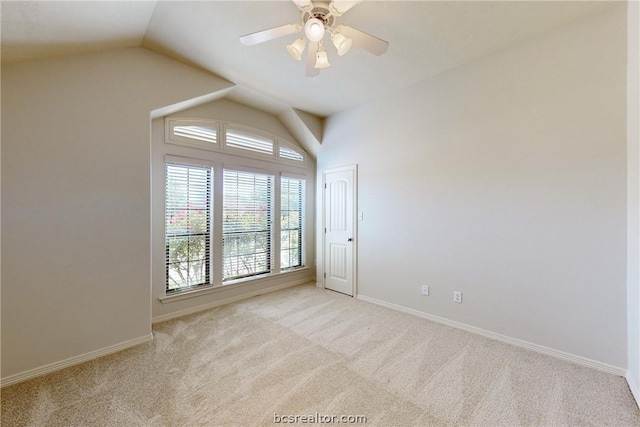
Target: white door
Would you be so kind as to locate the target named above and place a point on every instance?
(339, 233)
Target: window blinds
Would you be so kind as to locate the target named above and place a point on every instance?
(249, 141)
(290, 154)
(246, 223)
(187, 226)
(200, 133)
(291, 221)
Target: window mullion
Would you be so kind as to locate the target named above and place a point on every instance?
(216, 247)
(276, 239)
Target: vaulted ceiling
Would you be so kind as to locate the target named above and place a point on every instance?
(425, 38)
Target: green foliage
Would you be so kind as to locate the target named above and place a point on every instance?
(187, 244)
(246, 239)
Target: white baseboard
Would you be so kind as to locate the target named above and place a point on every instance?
(635, 390)
(579, 360)
(203, 307)
(56, 366)
(319, 285)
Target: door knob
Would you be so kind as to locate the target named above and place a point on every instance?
(350, 239)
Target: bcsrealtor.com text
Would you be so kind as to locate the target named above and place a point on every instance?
(318, 418)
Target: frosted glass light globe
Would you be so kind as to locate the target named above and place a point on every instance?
(314, 29)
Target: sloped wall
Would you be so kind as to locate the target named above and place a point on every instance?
(76, 202)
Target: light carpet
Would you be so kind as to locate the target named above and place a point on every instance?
(309, 352)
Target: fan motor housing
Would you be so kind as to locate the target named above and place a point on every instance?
(319, 10)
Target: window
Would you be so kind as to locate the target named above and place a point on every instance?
(291, 222)
(193, 133)
(246, 224)
(237, 139)
(234, 207)
(245, 140)
(287, 153)
(199, 133)
(187, 226)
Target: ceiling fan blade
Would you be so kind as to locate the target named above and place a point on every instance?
(363, 40)
(303, 4)
(270, 34)
(338, 7)
(311, 59)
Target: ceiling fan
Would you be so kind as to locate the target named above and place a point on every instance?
(317, 18)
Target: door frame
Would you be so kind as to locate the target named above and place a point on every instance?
(354, 246)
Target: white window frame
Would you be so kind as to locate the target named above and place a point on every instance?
(172, 138)
(216, 239)
(303, 220)
(221, 145)
(282, 143)
(273, 268)
(246, 151)
(188, 162)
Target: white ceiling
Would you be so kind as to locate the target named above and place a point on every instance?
(426, 38)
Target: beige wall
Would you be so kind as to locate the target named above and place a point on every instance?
(223, 110)
(76, 201)
(633, 196)
(504, 179)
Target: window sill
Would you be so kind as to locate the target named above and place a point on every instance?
(211, 289)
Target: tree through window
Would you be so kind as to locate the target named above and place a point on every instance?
(291, 222)
(247, 225)
(187, 226)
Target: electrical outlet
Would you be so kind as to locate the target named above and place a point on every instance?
(457, 297)
(425, 289)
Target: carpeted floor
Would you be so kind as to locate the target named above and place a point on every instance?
(309, 352)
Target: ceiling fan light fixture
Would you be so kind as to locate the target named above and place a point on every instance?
(322, 61)
(341, 43)
(317, 18)
(296, 48)
(314, 29)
